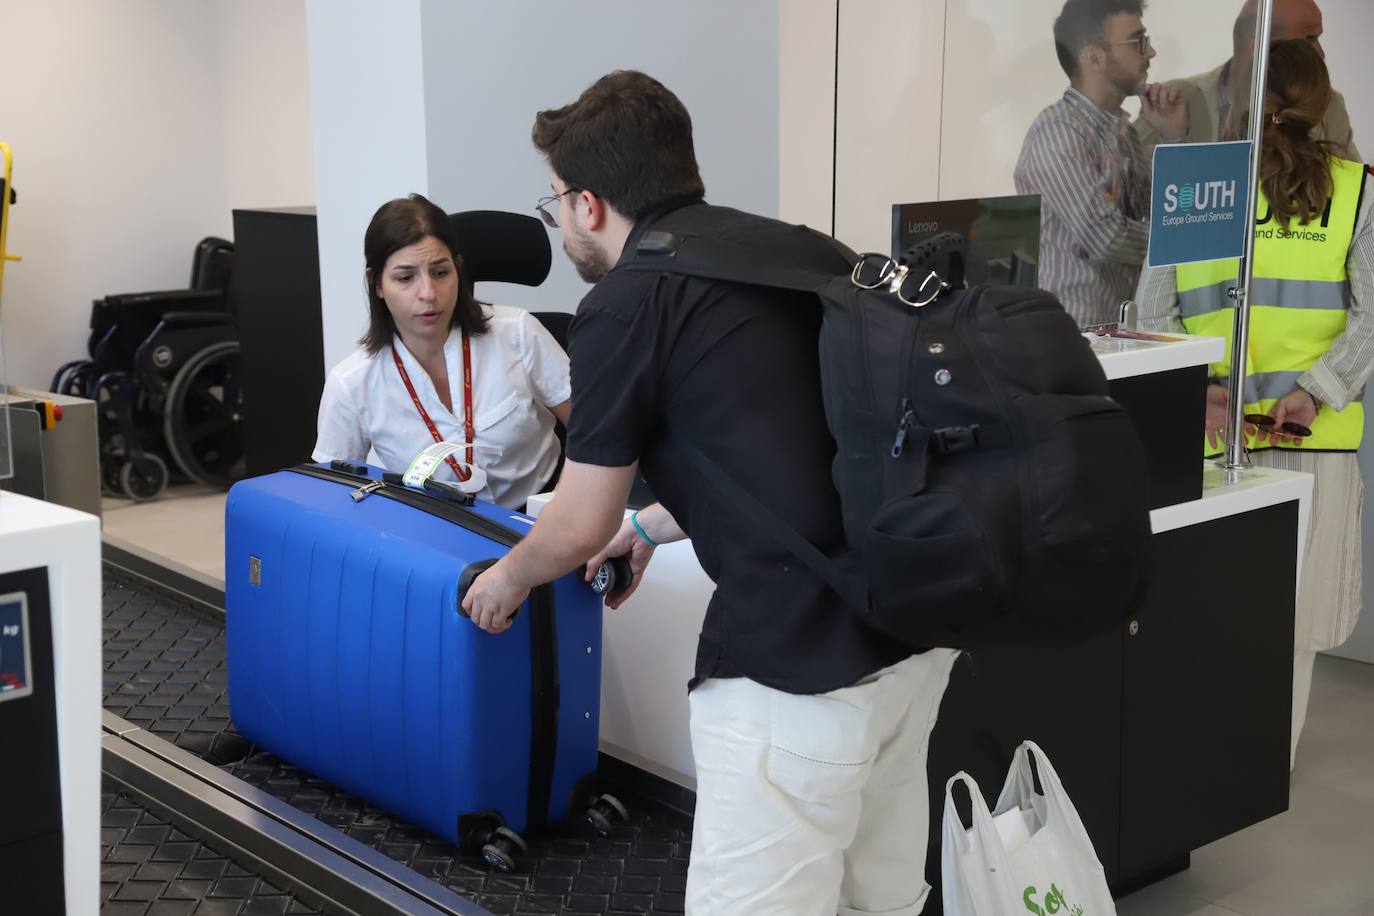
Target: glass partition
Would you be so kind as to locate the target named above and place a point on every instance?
(1011, 121)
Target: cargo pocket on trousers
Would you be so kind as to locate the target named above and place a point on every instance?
(822, 746)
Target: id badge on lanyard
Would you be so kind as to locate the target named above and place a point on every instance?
(463, 473)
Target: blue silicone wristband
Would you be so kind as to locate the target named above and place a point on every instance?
(634, 520)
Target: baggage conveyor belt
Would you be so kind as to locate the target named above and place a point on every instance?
(149, 867)
(171, 755)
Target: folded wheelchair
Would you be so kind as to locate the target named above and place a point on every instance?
(163, 370)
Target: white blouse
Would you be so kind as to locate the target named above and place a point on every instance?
(518, 372)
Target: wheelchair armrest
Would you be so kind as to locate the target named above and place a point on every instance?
(186, 299)
(174, 320)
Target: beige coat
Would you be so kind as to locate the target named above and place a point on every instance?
(1202, 94)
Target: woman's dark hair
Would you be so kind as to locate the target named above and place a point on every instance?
(627, 139)
(1295, 168)
(398, 224)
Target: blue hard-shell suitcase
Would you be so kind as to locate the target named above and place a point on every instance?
(348, 655)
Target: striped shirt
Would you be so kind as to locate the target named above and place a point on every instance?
(1340, 375)
(1090, 171)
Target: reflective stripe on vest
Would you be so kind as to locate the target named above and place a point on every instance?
(1300, 298)
(1288, 294)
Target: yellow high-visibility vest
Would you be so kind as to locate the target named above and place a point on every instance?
(1298, 305)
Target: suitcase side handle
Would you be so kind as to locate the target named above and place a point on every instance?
(613, 577)
(466, 577)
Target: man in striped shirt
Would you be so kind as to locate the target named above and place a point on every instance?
(1084, 159)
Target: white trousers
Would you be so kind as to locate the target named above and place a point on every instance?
(814, 805)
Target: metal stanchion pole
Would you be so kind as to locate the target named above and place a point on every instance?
(1236, 459)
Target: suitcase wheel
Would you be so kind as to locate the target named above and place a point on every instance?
(504, 846)
(612, 577)
(605, 813)
(476, 830)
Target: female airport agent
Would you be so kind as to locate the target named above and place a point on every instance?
(437, 365)
(1311, 339)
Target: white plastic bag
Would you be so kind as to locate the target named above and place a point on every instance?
(1031, 856)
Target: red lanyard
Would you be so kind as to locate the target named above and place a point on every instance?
(468, 431)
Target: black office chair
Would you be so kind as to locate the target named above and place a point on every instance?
(503, 247)
(508, 248)
(513, 248)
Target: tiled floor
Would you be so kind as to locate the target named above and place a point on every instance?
(1317, 859)
(185, 525)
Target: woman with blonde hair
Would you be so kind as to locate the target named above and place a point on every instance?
(1311, 346)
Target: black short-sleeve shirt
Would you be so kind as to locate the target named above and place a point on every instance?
(734, 370)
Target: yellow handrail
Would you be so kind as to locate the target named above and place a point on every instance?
(5, 213)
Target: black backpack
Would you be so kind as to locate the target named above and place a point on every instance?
(993, 493)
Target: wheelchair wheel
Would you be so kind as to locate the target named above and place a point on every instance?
(203, 416)
(143, 477)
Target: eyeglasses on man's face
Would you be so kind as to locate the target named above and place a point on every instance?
(1142, 43)
(552, 201)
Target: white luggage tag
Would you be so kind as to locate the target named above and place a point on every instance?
(424, 465)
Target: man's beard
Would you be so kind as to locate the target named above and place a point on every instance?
(591, 262)
(1128, 84)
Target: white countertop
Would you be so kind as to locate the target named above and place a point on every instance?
(1256, 488)
(1124, 357)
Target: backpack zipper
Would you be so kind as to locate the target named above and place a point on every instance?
(903, 425)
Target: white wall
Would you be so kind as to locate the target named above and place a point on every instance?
(806, 105)
(135, 127)
(367, 98)
(112, 113)
(1349, 23)
(887, 148)
(265, 103)
(490, 67)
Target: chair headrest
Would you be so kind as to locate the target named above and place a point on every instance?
(500, 246)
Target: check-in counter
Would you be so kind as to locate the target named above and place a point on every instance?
(50, 673)
(1169, 732)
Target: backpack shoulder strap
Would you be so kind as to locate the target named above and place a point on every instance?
(850, 592)
(709, 242)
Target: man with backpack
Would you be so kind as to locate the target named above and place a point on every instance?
(809, 727)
